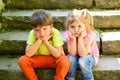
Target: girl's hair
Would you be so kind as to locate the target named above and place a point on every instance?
(41, 18)
(82, 15)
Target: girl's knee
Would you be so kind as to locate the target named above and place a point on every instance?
(81, 62)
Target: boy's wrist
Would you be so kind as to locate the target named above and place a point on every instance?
(45, 41)
(39, 40)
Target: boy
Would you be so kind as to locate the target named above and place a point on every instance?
(44, 48)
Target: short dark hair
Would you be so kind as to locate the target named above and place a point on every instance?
(41, 18)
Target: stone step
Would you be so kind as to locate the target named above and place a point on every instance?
(108, 68)
(62, 4)
(110, 42)
(20, 20)
(14, 43)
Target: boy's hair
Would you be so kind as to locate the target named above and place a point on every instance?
(41, 18)
(82, 15)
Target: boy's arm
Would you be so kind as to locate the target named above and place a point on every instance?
(55, 51)
(32, 49)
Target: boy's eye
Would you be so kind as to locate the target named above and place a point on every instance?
(44, 28)
(36, 30)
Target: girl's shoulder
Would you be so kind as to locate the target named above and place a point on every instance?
(91, 34)
(66, 36)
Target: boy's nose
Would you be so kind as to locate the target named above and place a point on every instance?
(41, 33)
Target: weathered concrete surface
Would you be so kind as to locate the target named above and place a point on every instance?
(21, 19)
(1, 5)
(48, 4)
(62, 4)
(107, 69)
(9, 69)
(107, 4)
(15, 42)
(110, 42)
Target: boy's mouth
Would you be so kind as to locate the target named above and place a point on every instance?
(42, 37)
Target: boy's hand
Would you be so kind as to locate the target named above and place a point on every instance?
(47, 38)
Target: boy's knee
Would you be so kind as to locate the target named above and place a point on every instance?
(64, 60)
(22, 60)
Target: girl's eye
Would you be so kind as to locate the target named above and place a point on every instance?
(72, 26)
(79, 26)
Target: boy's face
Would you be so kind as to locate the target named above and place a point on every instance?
(76, 28)
(43, 32)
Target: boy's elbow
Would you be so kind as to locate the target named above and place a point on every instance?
(28, 55)
(58, 55)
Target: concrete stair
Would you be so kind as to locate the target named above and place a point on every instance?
(15, 27)
(9, 70)
(13, 45)
(14, 42)
(20, 20)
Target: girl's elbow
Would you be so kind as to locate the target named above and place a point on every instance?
(72, 52)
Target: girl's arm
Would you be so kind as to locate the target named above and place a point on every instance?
(72, 49)
(71, 44)
(32, 49)
(89, 44)
(83, 49)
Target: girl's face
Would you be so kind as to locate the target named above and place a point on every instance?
(43, 31)
(76, 28)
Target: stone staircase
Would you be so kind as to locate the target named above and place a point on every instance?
(15, 27)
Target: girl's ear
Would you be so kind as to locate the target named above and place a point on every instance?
(51, 25)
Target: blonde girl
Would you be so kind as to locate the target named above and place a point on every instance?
(82, 47)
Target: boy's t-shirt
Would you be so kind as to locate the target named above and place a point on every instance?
(55, 41)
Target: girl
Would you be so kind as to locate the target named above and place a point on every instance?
(82, 48)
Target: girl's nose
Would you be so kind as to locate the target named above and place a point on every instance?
(76, 29)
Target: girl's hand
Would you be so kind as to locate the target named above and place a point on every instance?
(71, 35)
(82, 34)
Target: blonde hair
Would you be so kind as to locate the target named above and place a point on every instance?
(82, 15)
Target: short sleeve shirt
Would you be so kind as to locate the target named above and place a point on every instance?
(55, 41)
(94, 48)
